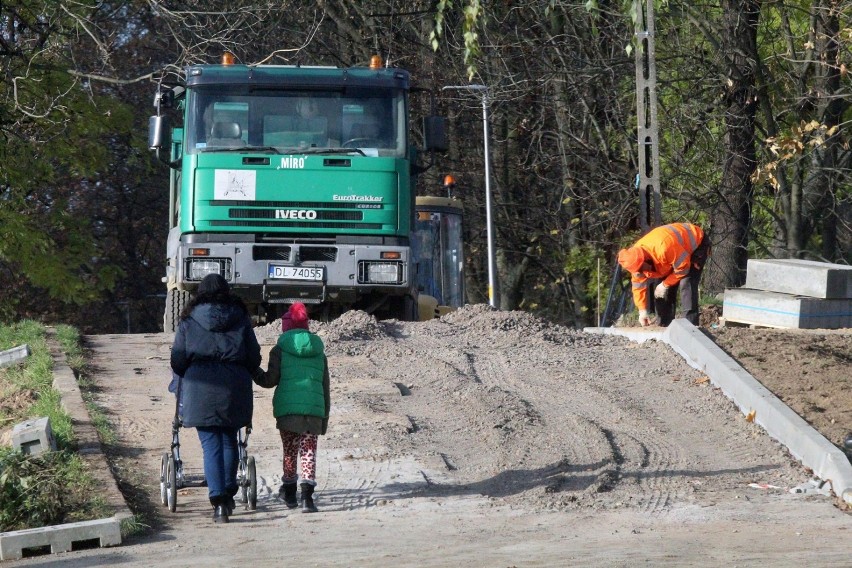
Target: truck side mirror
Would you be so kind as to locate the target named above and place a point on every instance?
(159, 132)
(435, 133)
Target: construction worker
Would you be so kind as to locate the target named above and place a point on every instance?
(675, 255)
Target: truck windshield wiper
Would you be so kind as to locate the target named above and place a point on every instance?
(258, 149)
(331, 151)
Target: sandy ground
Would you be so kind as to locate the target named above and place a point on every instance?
(487, 439)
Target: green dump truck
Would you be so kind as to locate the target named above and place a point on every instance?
(295, 183)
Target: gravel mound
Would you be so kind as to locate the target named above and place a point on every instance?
(354, 325)
(507, 328)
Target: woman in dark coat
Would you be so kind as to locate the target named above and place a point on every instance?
(216, 352)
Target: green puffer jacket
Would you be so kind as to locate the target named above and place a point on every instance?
(298, 369)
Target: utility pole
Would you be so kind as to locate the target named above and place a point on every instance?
(647, 181)
(648, 178)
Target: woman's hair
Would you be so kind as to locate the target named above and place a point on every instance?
(219, 297)
(213, 289)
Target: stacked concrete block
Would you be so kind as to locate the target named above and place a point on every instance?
(33, 436)
(802, 294)
(800, 278)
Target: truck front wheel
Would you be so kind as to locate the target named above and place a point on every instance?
(403, 308)
(176, 301)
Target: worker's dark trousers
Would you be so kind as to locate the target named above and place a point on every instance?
(688, 288)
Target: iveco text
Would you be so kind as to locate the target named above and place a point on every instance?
(295, 214)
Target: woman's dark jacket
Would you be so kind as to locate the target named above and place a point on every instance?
(216, 353)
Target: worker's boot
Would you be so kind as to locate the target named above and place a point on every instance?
(288, 493)
(308, 498)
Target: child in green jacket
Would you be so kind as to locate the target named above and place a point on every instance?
(298, 369)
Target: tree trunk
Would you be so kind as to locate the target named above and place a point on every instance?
(821, 186)
(732, 218)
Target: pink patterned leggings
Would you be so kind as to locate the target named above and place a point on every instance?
(296, 446)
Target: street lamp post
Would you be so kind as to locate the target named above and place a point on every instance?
(489, 224)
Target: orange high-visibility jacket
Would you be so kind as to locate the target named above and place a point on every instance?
(670, 249)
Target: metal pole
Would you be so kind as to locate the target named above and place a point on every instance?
(492, 284)
(489, 228)
(598, 286)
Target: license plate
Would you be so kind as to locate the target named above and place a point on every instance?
(278, 272)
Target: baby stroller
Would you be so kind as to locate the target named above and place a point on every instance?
(174, 476)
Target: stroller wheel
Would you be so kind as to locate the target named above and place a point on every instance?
(252, 483)
(164, 488)
(172, 483)
(242, 482)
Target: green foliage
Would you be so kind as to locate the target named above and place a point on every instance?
(27, 245)
(586, 259)
(69, 340)
(32, 380)
(710, 300)
(133, 526)
(56, 143)
(34, 372)
(26, 331)
(473, 13)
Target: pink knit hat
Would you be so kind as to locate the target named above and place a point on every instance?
(296, 317)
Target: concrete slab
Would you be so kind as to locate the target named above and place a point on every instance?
(800, 277)
(60, 538)
(33, 436)
(774, 309)
(13, 355)
(637, 334)
(779, 421)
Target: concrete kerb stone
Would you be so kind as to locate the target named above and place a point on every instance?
(779, 421)
(85, 433)
(637, 334)
(61, 537)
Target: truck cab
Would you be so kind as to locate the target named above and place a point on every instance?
(294, 183)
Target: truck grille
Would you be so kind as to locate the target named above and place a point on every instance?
(271, 253)
(297, 225)
(271, 214)
(322, 254)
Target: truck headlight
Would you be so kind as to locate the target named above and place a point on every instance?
(196, 269)
(372, 272)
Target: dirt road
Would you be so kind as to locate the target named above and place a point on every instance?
(481, 439)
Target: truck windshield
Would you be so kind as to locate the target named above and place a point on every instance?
(370, 122)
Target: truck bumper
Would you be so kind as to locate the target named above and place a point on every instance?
(263, 272)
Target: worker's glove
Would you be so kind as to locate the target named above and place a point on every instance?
(644, 318)
(660, 291)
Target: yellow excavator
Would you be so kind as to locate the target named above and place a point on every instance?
(437, 248)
